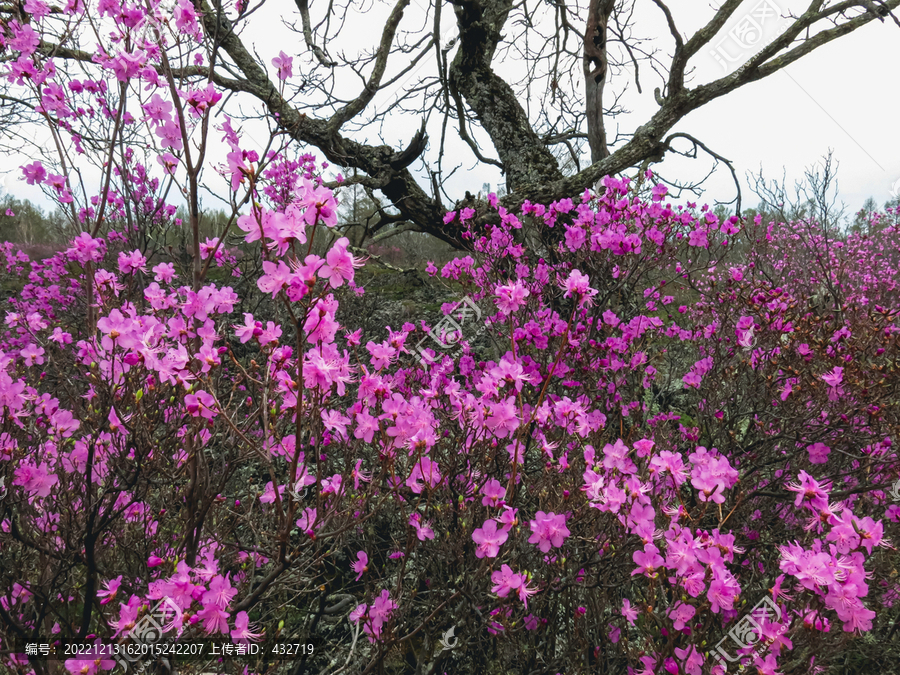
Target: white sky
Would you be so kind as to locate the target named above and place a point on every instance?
(841, 97)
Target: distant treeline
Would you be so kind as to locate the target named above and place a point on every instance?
(41, 233)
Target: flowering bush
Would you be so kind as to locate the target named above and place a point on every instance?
(677, 458)
(542, 496)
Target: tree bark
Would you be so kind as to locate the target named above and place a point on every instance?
(595, 65)
(523, 155)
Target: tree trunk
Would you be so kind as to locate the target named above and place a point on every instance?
(595, 65)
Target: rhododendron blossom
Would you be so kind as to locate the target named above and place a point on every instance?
(548, 529)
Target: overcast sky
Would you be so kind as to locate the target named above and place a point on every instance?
(843, 97)
(839, 97)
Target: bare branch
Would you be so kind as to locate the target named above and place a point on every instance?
(352, 109)
(719, 158)
(318, 52)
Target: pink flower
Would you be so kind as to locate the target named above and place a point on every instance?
(215, 620)
(339, 264)
(788, 388)
(871, 533)
(834, 379)
(358, 475)
(680, 614)
(320, 324)
(693, 659)
(493, 493)
(745, 337)
(489, 539)
(164, 272)
(615, 456)
(358, 613)
(239, 171)
(270, 333)
(285, 66)
(82, 666)
(670, 462)
(659, 191)
(818, 453)
(32, 354)
(548, 529)
(319, 204)
(379, 614)
(722, 591)
(355, 338)
(629, 612)
(808, 490)
(268, 496)
(643, 447)
(37, 479)
(126, 65)
(698, 238)
(129, 263)
(86, 249)
(843, 532)
(307, 520)
(423, 528)
(504, 419)
(647, 561)
(208, 246)
(249, 329)
(511, 297)
(424, 470)
(382, 354)
(168, 161)
(37, 9)
(858, 618)
(158, 110)
(34, 173)
(220, 592)
(505, 580)
(692, 379)
(185, 17)
(170, 136)
(711, 475)
(201, 404)
(508, 519)
(242, 633)
(361, 565)
(111, 587)
(274, 277)
(578, 284)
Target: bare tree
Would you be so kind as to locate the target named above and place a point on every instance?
(548, 102)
